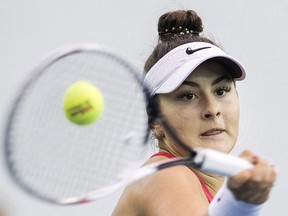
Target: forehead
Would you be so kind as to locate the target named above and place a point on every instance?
(209, 70)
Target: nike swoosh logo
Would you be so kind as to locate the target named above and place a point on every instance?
(190, 51)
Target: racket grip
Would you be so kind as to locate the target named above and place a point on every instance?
(216, 162)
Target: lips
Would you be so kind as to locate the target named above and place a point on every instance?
(213, 132)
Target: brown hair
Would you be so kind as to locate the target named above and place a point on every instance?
(174, 29)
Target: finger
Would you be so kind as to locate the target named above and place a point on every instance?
(263, 174)
(248, 155)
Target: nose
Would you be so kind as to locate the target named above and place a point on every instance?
(211, 115)
(211, 109)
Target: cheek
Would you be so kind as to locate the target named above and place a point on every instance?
(184, 122)
(232, 117)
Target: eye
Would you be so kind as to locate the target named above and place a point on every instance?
(187, 96)
(222, 91)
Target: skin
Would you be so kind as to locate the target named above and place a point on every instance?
(207, 115)
(207, 107)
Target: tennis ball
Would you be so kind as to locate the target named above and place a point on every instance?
(83, 103)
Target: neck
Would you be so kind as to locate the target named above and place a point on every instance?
(175, 150)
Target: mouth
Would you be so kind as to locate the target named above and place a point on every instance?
(213, 132)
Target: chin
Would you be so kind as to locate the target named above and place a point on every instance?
(218, 143)
(219, 146)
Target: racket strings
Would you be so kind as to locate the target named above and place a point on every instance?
(55, 158)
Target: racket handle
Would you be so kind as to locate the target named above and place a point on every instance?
(216, 162)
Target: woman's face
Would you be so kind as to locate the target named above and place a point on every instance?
(204, 110)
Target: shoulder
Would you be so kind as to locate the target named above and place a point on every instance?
(173, 189)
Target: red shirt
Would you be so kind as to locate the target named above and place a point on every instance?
(209, 196)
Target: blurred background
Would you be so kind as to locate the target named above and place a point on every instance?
(255, 32)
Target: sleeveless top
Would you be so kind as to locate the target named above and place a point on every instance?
(209, 196)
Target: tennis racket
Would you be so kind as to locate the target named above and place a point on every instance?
(63, 163)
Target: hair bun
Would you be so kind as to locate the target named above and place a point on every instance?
(179, 23)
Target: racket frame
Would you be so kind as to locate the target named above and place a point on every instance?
(203, 159)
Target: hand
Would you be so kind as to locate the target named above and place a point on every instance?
(253, 186)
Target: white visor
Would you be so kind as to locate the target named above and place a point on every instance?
(173, 68)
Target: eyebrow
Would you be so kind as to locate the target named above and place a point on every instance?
(220, 79)
(214, 82)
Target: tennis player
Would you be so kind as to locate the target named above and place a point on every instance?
(194, 81)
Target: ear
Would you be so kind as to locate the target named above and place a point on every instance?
(157, 130)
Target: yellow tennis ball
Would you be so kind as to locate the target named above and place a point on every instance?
(83, 103)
